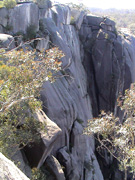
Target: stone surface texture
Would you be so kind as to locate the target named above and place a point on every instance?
(98, 64)
(8, 170)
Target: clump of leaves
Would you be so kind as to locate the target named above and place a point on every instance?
(72, 20)
(9, 4)
(30, 32)
(116, 136)
(1, 4)
(37, 174)
(80, 7)
(21, 77)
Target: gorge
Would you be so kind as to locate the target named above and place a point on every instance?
(99, 64)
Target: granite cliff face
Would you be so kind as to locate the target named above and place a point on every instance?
(98, 64)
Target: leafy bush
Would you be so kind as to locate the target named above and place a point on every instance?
(116, 136)
(37, 174)
(1, 4)
(21, 78)
(9, 3)
(72, 20)
(30, 32)
(80, 7)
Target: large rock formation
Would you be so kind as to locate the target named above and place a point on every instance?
(98, 64)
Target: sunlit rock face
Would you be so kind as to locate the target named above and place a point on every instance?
(8, 170)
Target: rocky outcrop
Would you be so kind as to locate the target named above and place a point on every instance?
(37, 153)
(8, 170)
(98, 64)
(110, 59)
(7, 41)
(55, 168)
(22, 16)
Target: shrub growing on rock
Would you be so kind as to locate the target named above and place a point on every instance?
(9, 3)
(117, 137)
(21, 77)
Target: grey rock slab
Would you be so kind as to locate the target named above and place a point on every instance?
(24, 15)
(7, 41)
(38, 153)
(93, 20)
(77, 18)
(8, 170)
(43, 44)
(46, 4)
(61, 14)
(53, 164)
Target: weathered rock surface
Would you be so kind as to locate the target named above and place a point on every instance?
(7, 41)
(8, 170)
(109, 57)
(98, 64)
(42, 44)
(77, 18)
(22, 16)
(55, 168)
(37, 153)
(3, 19)
(73, 107)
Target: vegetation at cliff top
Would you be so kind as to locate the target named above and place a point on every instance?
(21, 77)
(124, 18)
(8, 4)
(116, 136)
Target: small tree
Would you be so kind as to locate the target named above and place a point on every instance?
(116, 136)
(21, 77)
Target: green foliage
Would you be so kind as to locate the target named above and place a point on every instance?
(31, 32)
(118, 138)
(21, 77)
(8, 27)
(124, 18)
(80, 7)
(1, 4)
(9, 3)
(37, 174)
(72, 20)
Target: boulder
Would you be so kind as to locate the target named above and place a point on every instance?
(22, 16)
(7, 41)
(93, 20)
(8, 170)
(43, 44)
(44, 4)
(45, 9)
(55, 168)
(61, 15)
(77, 18)
(37, 153)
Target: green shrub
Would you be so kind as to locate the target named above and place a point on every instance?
(21, 79)
(31, 32)
(9, 3)
(117, 137)
(37, 174)
(1, 4)
(72, 20)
